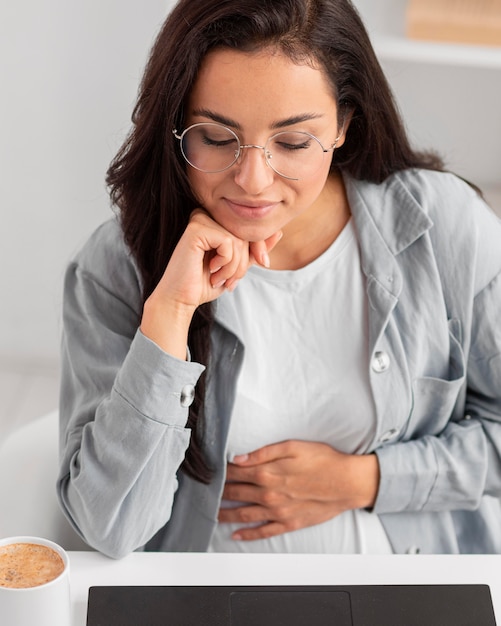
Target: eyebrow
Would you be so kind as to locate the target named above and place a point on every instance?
(226, 121)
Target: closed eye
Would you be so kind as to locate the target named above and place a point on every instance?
(291, 141)
(217, 143)
(293, 146)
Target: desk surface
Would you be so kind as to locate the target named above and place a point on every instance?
(90, 568)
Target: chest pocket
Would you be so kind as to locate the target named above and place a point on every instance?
(433, 399)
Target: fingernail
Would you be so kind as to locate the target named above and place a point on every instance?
(234, 285)
(215, 270)
(237, 536)
(240, 458)
(265, 259)
(217, 285)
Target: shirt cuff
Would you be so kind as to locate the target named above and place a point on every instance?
(157, 384)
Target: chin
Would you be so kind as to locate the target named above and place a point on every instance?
(243, 230)
(251, 233)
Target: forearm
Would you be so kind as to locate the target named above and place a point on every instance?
(120, 458)
(118, 489)
(440, 473)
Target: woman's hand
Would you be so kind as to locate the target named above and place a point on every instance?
(207, 260)
(294, 484)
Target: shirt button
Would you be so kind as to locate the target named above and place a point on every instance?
(187, 395)
(413, 550)
(380, 362)
(388, 435)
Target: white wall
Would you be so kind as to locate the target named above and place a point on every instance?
(69, 73)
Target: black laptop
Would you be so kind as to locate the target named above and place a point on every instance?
(355, 605)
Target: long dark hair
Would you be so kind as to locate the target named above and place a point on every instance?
(147, 178)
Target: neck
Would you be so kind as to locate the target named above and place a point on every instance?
(310, 234)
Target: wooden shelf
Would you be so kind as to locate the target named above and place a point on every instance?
(449, 94)
(455, 21)
(386, 22)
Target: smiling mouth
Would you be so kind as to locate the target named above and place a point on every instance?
(247, 210)
(264, 204)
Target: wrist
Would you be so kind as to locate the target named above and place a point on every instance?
(366, 478)
(363, 476)
(167, 324)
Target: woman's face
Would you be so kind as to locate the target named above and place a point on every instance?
(256, 95)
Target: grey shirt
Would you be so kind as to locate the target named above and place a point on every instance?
(431, 253)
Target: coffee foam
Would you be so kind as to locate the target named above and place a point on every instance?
(24, 565)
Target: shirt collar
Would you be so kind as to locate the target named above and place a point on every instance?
(391, 207)
(388, 219)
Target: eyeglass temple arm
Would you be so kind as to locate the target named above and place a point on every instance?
(336, 139)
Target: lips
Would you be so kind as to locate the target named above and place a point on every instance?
(251, 209)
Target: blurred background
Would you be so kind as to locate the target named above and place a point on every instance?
(69, 74)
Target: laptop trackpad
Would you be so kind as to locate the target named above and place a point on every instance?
(290, 608)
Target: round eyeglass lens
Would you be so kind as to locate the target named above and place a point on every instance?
(210, 147)
(294, 154)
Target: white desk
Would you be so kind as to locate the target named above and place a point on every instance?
(90, 568)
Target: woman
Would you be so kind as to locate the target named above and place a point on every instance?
(288, 340)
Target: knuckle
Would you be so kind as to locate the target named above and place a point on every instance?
(271, 499)
(281, 513)
(245, 515)
(198, 216)
(294, 524)
(261, 476)
(225, 245)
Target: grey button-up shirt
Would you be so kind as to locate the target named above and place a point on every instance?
(431, 252)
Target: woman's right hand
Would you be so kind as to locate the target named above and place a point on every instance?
(206, 261)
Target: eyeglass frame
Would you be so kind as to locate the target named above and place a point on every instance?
(238, 152)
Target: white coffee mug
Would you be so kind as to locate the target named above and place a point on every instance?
(46, 604)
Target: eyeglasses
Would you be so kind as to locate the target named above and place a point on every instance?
(213, 148)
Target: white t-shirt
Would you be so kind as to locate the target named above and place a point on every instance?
(305, 376)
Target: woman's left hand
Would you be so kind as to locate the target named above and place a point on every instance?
(294, 484)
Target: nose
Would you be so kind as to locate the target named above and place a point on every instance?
(252, 172)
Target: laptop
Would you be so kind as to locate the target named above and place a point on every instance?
(355, 605)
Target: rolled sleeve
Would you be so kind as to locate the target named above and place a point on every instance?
(155, 383)
(434, 473)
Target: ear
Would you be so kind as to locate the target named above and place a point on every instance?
(343, 128)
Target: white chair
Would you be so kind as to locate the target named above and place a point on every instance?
(28, 474)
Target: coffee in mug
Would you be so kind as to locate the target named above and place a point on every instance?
(28, 565)
(34, 583)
